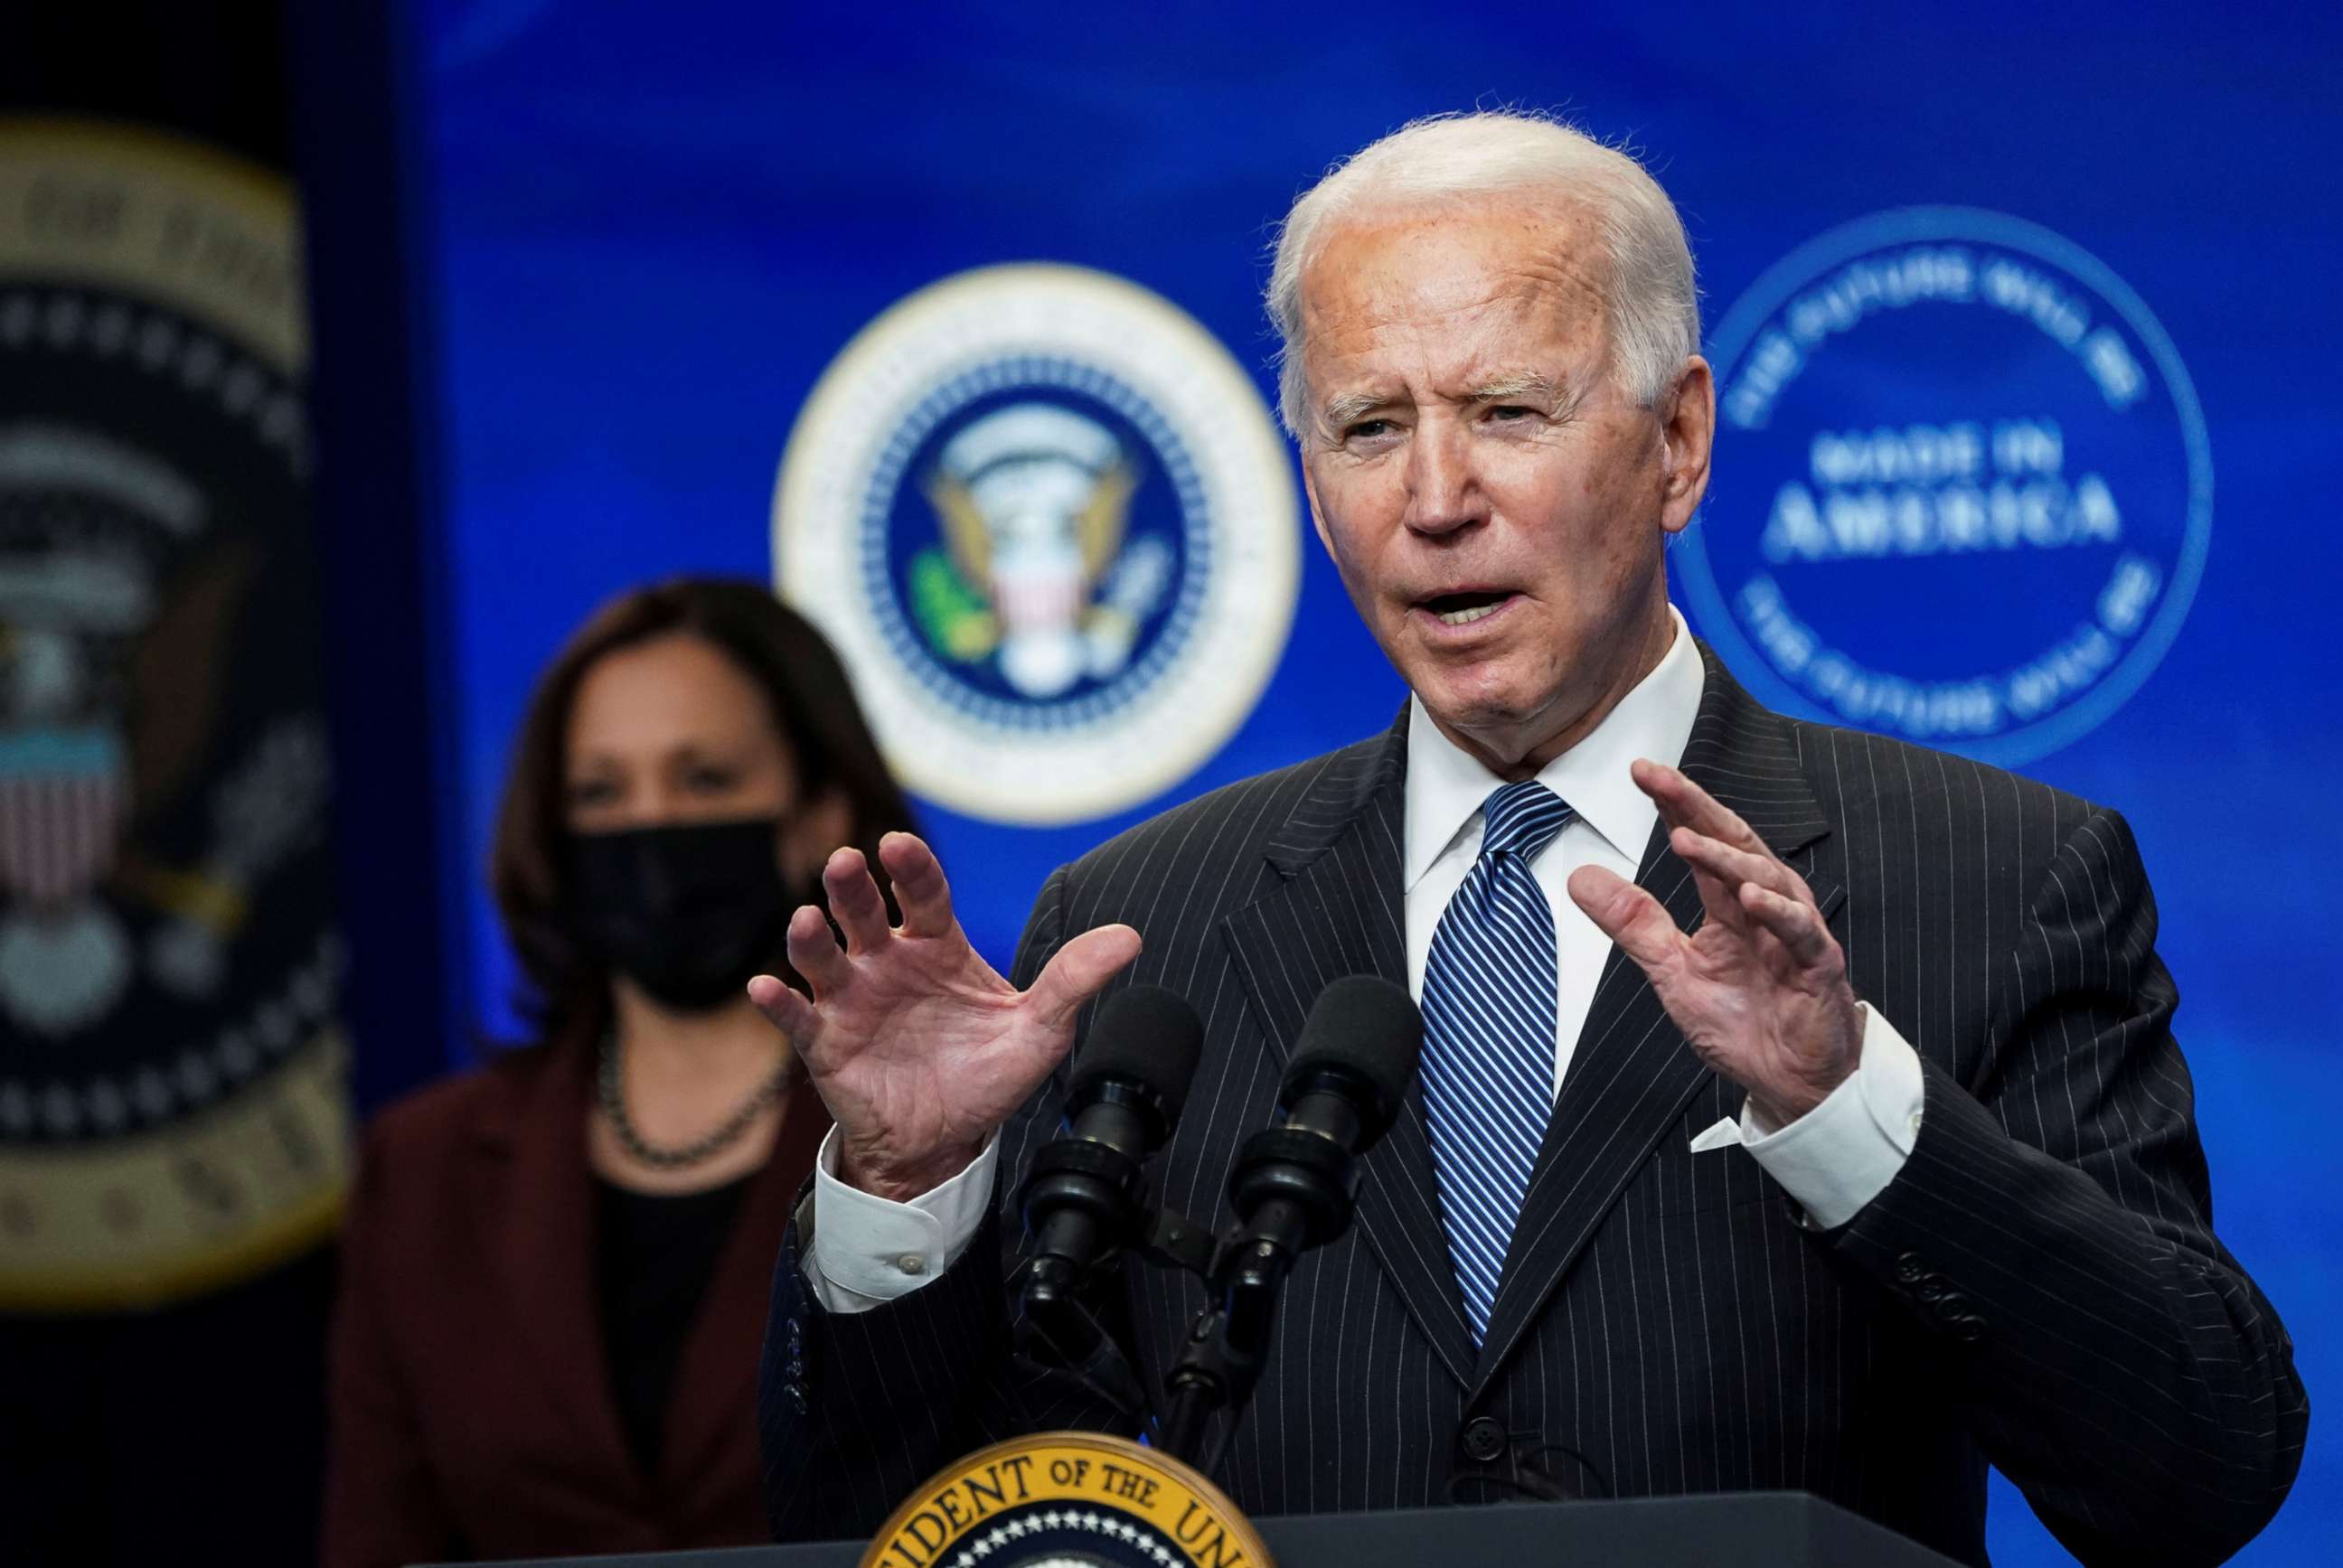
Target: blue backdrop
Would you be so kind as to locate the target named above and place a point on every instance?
(2074, 424)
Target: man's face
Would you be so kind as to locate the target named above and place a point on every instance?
(1496, 505)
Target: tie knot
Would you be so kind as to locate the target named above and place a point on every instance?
(1522, 819)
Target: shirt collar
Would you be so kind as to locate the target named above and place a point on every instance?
(1446, 785)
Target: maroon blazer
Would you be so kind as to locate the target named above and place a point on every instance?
(473, 1414)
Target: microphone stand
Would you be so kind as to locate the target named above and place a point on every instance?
(1292, 1190)
(1057, 1318)
(1294, 1187)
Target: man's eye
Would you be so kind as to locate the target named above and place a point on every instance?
(712, 780)
(1510, 413)
(592, 792)
(1367, 430)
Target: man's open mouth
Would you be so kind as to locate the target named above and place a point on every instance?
(1465, 609)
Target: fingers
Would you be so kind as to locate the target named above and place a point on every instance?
(854, 902)
(1628, 915)
(784, 1008)
(1719, 891)
(1078, 970)
(1797, 926)
(921, 893)
(813, 952)
(1684, 804)
(1735, 868)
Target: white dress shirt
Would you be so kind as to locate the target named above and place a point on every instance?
(1832, 1161)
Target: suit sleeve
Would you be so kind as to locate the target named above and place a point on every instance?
(383, 1506)
(855, 1409)
(2052, 1230)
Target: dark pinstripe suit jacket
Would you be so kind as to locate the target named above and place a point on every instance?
(2040, 1288)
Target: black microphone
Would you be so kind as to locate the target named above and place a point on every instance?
(1081, 1199)
(1294, 1184)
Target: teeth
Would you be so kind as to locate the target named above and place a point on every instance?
(1467, 617)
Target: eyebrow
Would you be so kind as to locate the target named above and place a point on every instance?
(1340, 411)
(1514, 386)
(1520, 386)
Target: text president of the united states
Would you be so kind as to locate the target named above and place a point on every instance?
(1957, 1213)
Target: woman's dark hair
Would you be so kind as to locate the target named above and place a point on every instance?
(812, 707)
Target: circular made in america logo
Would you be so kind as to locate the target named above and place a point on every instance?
(1964, 487)
(1068, 1500)
(1048, 521)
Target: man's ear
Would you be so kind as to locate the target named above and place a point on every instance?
(1688, 439)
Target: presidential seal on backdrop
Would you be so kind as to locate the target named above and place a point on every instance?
(172, 1108)
(1051, 527)
(1068, 1500)
(1963, 491)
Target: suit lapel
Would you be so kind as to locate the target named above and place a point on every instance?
(545, 1255)
(1336, 910)
(1631, 1074)
(712, 1403)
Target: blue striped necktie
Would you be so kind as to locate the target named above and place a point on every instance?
(1489, 1037)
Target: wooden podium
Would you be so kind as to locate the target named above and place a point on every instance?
(1745, 1529)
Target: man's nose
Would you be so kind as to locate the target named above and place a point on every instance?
(1443, 494)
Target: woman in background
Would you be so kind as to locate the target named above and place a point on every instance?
(556, 1268)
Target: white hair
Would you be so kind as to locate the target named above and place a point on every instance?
(1653, 304)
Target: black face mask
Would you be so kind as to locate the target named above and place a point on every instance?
(688, 913)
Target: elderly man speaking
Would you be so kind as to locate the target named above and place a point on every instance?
(1808, 1118)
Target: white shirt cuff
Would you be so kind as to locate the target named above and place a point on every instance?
(1844, 1152)
(868, 1250)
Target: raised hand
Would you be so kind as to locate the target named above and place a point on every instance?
(1760, 989)
(917, 1046)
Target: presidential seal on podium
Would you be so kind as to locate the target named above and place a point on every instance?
(1060, 1499)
